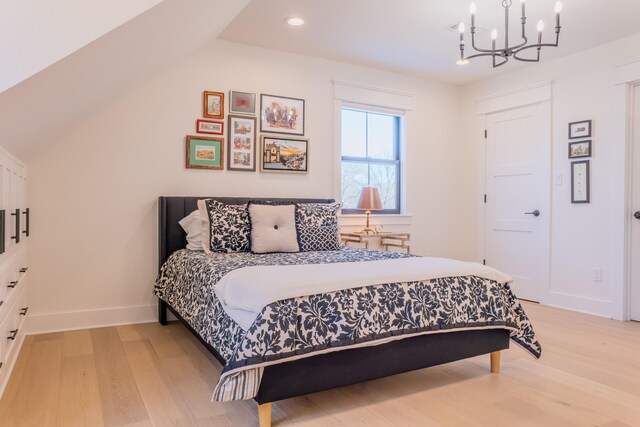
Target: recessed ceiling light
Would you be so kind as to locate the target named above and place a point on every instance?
(295, 21)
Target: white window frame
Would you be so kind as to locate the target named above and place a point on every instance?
(351, 95)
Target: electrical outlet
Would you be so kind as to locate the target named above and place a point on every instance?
(597, 275)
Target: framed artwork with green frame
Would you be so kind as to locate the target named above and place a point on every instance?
(205, 153)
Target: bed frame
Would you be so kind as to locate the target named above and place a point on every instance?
(337, 369)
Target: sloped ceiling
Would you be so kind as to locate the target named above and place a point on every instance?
(37, 33)
(35, 111)
(416, 37)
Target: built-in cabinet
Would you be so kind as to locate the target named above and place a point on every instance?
(14, 235)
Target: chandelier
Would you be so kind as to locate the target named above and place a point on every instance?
(501, 55)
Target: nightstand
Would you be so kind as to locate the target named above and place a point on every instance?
(385, 240)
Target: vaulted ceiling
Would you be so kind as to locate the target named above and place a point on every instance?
(415, 36)
(61, 62)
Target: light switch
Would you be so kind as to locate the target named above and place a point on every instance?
(557, 179)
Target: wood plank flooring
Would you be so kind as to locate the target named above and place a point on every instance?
(149, 375)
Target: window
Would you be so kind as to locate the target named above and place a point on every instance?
(370, 157)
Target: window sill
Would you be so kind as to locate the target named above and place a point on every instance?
(359, 219)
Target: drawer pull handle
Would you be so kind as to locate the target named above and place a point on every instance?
(13, 284)
(1, 365)
(13, 335)
(23, 311)
(2, 230)
(26, 217)
(17, 236)
(24, 269)
(1, 302)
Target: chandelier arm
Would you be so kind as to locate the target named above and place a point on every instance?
(473, 45)
(478, 55)
(496, 65)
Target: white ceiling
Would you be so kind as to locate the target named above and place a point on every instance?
(36, 33)
(411, 36)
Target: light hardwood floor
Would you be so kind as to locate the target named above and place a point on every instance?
(149, 375)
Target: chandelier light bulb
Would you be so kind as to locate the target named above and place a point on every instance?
(461, 27)
(494, 34)
(473, 8)
(540, 26)
(558, 7)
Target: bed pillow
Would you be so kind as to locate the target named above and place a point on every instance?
(206, 226)
(230, 228)
(273, 228)
(317, 226)
(192, 225)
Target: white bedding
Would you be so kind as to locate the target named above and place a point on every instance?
(244, 292)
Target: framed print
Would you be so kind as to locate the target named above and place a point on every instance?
(242, 103)
(209, 126)
(580, 182)
(284, 155)
(213, 105)
(279, 114)
(579, 149)
(241, 143)
(580, 129)
(204, 152)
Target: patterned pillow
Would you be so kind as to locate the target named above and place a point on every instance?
(317, 225)
(230, 227)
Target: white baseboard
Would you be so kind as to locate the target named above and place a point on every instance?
(596, 307)
(74, 320)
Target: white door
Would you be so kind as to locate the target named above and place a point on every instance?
(518, 156)
(635, 210)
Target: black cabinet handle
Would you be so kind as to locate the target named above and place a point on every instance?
(534, 213)
(17, 236)
(13, 334)
(2, 229)
(26, 218)
(24, 269)
(24, 311)
(13, 284)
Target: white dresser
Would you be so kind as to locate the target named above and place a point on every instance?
(14, 235)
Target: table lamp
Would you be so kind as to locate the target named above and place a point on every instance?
(369, 201)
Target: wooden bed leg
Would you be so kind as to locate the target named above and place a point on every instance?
(162, 312)
(264, 414)
(495, 362)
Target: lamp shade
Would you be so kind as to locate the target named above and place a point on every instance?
(369, 199)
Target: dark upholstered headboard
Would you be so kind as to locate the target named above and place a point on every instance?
(172, 209)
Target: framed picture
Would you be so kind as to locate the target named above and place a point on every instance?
(284, 155)
(209, 126)
(580, 129)
(213, 105)
(580, 182)
(204, 152)
(242, 103)
(279, 114)
(241, 143)
(579, 149)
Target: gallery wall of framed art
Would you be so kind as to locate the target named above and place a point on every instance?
(279, 148)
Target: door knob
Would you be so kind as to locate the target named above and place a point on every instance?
(636, 215)
(536, 213)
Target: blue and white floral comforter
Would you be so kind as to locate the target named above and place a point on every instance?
(313, 324)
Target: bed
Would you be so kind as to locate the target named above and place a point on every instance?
(286, 349)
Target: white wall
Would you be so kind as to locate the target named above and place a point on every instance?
(64, 25)
(93, 193)
(582, 236)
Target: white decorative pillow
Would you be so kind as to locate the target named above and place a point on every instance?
(206, 227)
(273, 228)
(192, 225)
